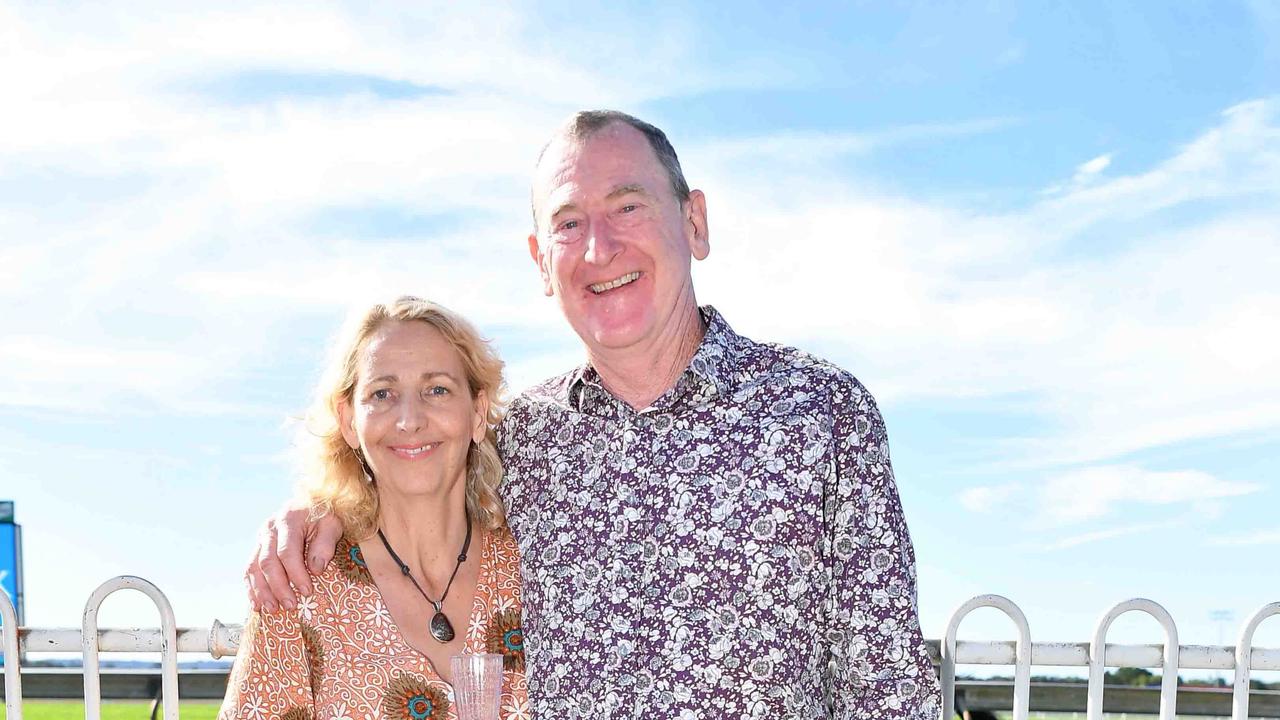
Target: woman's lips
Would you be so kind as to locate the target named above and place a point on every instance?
(413, 452)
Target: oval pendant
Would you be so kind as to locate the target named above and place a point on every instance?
(440, 628)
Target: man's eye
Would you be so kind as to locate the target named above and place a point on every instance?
(568, 225)
(629, 208)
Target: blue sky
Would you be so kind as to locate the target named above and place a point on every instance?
(1046, 236)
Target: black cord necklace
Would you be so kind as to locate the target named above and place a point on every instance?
(441, 628)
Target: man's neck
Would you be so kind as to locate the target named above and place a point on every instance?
(640, 377)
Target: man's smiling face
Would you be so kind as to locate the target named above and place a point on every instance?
(613, 243)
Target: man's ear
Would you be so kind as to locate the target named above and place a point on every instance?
(542, 262)
(695, 219)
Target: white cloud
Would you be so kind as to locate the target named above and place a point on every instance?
(1257, 537)
(199, 230)
(1096, 492)
(1086, 173)
(984, 499)
(1079, 498)
(801, 147)
(1157, 335)
(1094, 166)
(170, 241)
(1086, 538)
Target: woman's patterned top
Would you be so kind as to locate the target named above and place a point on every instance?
(340, 656)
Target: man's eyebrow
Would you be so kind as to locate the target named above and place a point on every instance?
(567, 205)
(627, 189)
(617, 192)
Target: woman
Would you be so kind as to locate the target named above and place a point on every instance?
(404, 456)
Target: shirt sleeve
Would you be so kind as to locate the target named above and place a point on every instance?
(879, 667)
(271, 677)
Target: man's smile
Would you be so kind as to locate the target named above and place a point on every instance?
(615, 283)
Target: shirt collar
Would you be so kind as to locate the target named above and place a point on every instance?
(719, 353)
(711, 367)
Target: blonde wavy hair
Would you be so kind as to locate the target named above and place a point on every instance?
(334, 477)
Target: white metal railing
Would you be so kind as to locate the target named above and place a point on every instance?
(221, 640)
(1097, 655)
(9, 643)
(168, 645)
(1021, 653)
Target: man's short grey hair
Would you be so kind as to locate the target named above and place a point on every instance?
(586, 123)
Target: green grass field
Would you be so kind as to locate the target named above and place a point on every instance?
(121, 710)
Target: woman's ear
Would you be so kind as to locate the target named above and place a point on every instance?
(481, 424)
(347, 423)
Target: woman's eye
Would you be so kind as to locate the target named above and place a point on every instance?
(380, 394)
(437, 390)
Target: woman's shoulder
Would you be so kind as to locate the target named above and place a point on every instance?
(504, 543)
(503, 633)
(348, 566)
(503, 559)
(346, 574)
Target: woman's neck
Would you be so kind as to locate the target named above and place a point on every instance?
(426, 531)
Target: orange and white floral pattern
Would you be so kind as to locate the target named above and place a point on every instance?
(339, 656)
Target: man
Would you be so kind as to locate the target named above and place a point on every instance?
(709, 526)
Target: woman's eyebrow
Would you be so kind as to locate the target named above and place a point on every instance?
(425, 376)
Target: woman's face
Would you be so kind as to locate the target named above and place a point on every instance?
(411, 412)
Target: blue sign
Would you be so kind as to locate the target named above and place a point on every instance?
(10, 567)
(9, 561)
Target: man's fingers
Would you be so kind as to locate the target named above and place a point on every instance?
(326, 533)
(268, 565)
(259, 593)
(290, 544)
(259, 597)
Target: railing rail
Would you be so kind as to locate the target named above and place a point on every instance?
(1021, 653)
(168, 645)
(221, 640)
(9, 642)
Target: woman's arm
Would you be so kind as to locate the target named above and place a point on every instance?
(273, 673)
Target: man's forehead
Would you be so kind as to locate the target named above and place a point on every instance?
(614, 157)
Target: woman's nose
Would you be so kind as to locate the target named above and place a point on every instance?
(412, 415)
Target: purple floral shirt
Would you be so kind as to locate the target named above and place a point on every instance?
(736, 550)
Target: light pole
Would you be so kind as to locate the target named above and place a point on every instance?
(1222, 617)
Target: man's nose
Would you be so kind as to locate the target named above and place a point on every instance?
(602, 246)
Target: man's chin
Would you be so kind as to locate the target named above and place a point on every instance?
(613, 337)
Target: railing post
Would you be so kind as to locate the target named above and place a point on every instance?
(1098, 649)
(1022, 654)
(168, 649)
(12, 659)
(1244, 659)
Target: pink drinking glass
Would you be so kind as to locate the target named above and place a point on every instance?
(477, 686)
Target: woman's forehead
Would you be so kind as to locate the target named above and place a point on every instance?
(408, 344)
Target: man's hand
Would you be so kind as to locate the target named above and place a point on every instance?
(276, 568)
